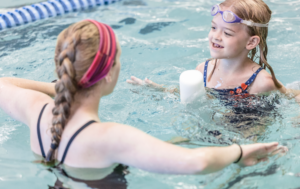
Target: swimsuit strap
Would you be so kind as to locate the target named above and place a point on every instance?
(205, 72)
(244, 86)
(39, 131)
(72, 138)
(251, 79)
(238, 90)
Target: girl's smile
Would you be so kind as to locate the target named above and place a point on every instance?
(216, 46)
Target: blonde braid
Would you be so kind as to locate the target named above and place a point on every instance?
(75, 51)
(65, 88)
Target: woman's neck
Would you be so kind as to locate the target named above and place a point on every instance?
(86, 104)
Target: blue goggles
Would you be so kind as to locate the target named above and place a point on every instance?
(230, 17)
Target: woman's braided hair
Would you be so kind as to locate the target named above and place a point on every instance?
(75, 50)
(258, 12)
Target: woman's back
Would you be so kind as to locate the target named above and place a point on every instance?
(88, 147)
(86, 156)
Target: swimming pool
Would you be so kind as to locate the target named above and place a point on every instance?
(17, 3)
(160, 39)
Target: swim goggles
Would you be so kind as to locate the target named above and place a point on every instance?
(104, 58)
(230, 17)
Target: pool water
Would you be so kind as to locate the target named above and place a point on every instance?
(17, 3)
(160, 39)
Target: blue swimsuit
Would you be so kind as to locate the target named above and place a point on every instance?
(246, 110)
(241, 90)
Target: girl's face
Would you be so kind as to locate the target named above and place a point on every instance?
(226, 40)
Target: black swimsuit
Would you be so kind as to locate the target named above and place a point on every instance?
(115, 180)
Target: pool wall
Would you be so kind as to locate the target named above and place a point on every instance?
(51, 8)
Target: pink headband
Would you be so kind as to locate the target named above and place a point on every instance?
(104, 58)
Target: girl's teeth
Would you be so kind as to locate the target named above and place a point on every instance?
(216, 45)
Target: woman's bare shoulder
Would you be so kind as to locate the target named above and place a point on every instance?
(112, 130)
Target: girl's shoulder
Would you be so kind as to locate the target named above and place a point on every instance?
(263, 83)
(200, 67)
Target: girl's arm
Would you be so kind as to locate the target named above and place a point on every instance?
(265, 84)
(136, 81)
(291, 93)
(22, 104)
(298, 99)
(135, 148)
(43, 87)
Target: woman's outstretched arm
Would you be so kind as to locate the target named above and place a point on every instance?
(43, 87)
(20, 103)
(133, 147)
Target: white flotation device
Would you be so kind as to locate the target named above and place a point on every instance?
(191, 85)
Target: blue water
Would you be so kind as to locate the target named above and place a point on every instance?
(160, 39)
(17, 3)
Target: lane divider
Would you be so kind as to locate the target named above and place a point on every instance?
(51, 8)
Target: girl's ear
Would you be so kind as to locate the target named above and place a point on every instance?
(253, 42)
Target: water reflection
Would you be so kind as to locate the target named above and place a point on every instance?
(225, 119)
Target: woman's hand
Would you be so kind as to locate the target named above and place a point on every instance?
(256, 153)
(136, 81)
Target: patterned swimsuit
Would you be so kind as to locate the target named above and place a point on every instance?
(247, 110)
(241, 90)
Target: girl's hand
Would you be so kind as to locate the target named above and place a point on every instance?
(136, 81)
(298, 99)
(256, 153)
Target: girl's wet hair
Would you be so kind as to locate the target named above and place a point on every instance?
(258, 12)
(75, 50)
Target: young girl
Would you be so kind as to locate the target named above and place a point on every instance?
(68, 129)
(238, 35)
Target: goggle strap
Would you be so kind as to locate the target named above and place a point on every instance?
(250, 23)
